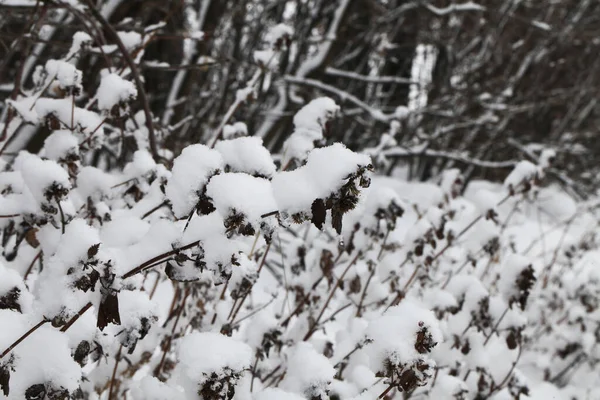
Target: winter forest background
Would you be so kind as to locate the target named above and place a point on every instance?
(299, 199)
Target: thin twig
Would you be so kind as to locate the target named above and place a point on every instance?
(337, 284)
(114, 374)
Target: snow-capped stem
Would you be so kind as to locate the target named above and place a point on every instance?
(134, 72)
(376, 114)
(419, 151)
(160, 257)
(76, 317)
(23, 337)
(314, 326)
(372, 79)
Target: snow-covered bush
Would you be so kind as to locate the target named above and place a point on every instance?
(226, 271)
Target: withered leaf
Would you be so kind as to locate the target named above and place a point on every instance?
(336, 221)
(511, 340)
(319, 213)
(175, 274)
(93, 250)
(35, 392)
(108, 312)
(82, 351)
(31, 238)
(205, 205)
(4, 379)
(10, 301)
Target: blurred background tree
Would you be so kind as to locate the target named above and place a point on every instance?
(474, 85)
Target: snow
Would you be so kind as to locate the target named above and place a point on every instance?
(79, 40)
(56, 295)
(309, 123)
(394, 334)
(93, 181)
(234, 130)
(114, 90)
(150, 388)
(243, 193)
(11, 282)
(247, 154)
(308, 373)
(276, 394)
(123, 231)
(523, 172)
(66, 74)
(202, 354)
(142, 164)
(325, 171)
(59, 144)
(43, 359)
(278, 32)
(40, 175)
(130, 39)
(266, 58)
(190, 173)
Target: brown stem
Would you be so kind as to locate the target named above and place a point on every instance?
(262, 263)
(487, 339)
(364, 293)
(170, 338)
(76, 317)
(62, 216)
(114, 373)
(253, 374)
(386, 391)
(159, 257)
(23, 337)
(37, 256)
(158, 207)
(337, 284)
